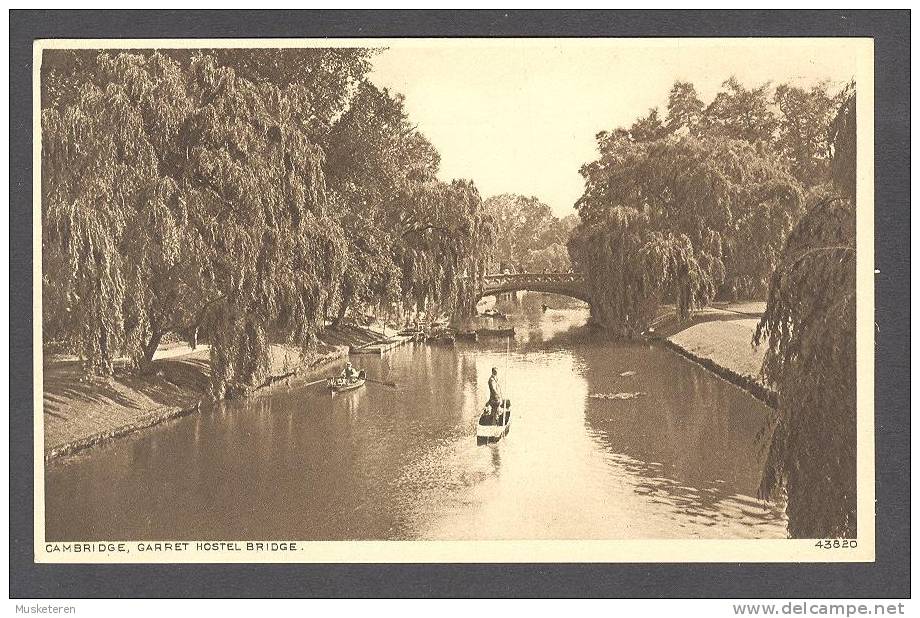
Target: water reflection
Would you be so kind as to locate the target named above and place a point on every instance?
(402, 463)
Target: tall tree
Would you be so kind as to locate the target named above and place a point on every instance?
(802, 137)
(444, 244)
(741, 113)
(179, 195)
(674, 219)
(810, 328)
(114, 234)
(413, 235)
(648, 128)
(685, 109)
(521, 221)
(255, 188)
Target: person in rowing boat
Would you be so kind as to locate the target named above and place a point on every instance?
(348, 373)
(495, 395)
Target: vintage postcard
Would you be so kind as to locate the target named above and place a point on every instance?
(454, 300)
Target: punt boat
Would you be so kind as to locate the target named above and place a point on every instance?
(487, 429)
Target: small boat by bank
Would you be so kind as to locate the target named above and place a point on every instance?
(496, 332)
(489, 429)
(416, 334)
(494, 314)
(442, 339)
(468, 335)
(441, 335)
(342, 385)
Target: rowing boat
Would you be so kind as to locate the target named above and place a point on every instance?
(490, 429)
(496, 332)
(341, 385)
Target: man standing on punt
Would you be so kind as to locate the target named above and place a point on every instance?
(495, 394)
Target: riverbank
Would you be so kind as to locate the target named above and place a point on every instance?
(80, 412)
(719, 338)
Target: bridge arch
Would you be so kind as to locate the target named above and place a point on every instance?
(566, 284)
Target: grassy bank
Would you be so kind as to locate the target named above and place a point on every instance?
(719, 338)
(80, 412)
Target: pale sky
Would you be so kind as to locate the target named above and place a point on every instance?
(521, 118)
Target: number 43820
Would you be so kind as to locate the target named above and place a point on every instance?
(836, 544)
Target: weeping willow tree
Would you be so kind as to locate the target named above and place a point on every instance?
(177, 197)
(675, 220)
(372, 174)
(112, 230)
(412, 237)
(189, 190)
(443, 245)
(810, 329)
(254, 184)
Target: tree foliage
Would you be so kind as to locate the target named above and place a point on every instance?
(810, 328)
(245, 194)
(113, 230)
(716, 188)
(415, 235)
(528, 236)
(685, 109)
(648, 128)
(803, 140)
(742, 113)
(675, 220)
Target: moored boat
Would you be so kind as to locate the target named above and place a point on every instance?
(468, 335)
(442, 339)
(490, 429)
(496, 332)
(414, 333)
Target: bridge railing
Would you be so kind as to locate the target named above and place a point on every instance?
(532, 279)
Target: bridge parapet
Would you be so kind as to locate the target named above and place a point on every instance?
(524, 279)
(568, 284)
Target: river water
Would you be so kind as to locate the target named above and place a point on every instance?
(681, 460)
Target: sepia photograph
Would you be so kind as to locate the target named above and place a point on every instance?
(454, 300)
